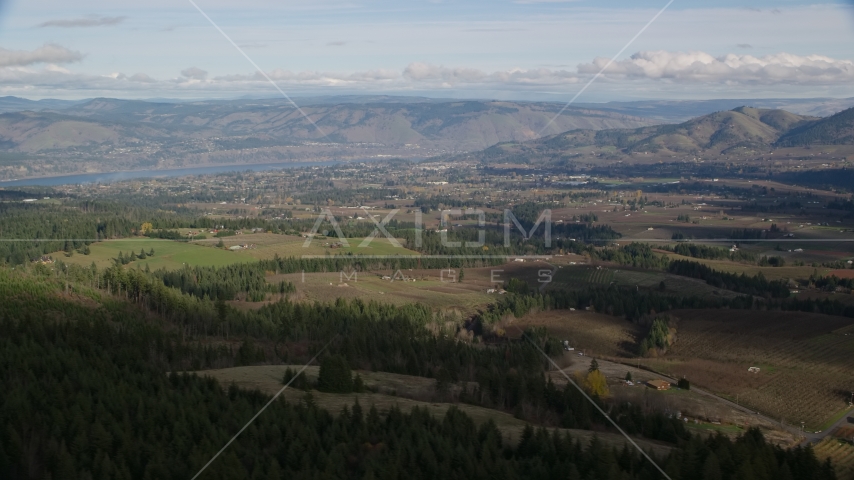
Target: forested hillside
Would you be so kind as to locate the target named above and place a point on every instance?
(834, 130)
(88, 396)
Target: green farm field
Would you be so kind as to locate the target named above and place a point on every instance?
(266, 245)
(771, 273)
(168, 254)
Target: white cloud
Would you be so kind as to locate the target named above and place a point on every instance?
(142, 78)
(91, 21)
(732, 69)
(194, 73)
(49, 53)
(643, 71)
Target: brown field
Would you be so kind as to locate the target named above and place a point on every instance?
(847, 273)
(432, 287)
(804, 359)
(840, 453)
(395, 388)
(367, 286)
(590, 333)
(702, 408)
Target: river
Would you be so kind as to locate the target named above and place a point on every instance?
(108, 177)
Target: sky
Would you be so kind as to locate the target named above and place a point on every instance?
(503, 49)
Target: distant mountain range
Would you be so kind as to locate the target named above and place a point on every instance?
(104, 124)
(741, 131)
(58, 137)
(18, 104)
(677, 111)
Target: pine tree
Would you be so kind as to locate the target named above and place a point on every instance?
(335, 375)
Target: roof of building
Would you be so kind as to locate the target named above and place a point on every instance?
(660, 384)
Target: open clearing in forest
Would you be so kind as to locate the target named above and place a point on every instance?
(428, 288)
(168, 254)
(771, 273)
(171, 254)
(672, 283)
(267, 245)
(268, 380)
(590, 333)
(437, 288)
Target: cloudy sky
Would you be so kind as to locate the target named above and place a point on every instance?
(515, 49)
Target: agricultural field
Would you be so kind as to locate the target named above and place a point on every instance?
(576, 276)
(168, 254)
(771, 273)
(701, 410)
(266, 245)
(672, 283)
(804, 359)
(428, 288)
(589, 333)
(840, 453)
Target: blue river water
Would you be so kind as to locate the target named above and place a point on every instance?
(119, 176)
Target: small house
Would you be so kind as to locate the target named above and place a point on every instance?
(659, 384)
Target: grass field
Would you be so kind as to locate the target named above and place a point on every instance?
(771, 273)
(171, 254)
(268, 378)
(266, 245)
(672, 283)
(168, 254)
(428, 288)
(590, 333)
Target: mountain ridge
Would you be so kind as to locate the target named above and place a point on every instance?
(743, 130)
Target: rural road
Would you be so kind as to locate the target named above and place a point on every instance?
(809, 437)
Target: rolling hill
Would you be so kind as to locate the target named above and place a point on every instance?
(453, 126)
(741, 131)
(104, 135)
(834, 130)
